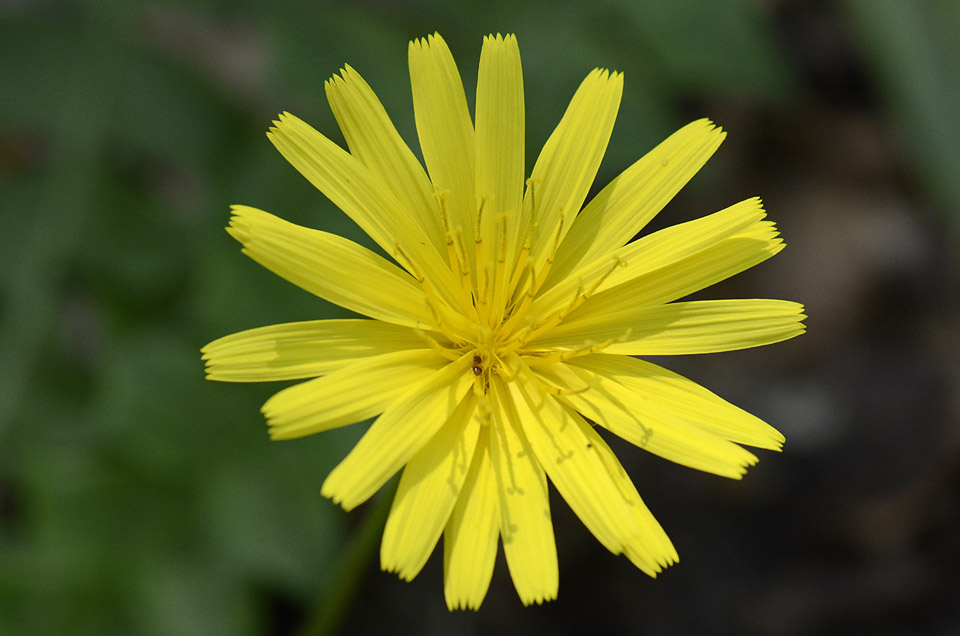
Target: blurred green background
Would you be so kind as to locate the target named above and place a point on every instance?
(137, 498)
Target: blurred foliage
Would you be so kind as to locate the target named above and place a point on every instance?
(134, 496)
(914, 49)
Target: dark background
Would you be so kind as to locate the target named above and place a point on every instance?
(136, 498)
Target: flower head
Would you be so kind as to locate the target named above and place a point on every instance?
(503, 332)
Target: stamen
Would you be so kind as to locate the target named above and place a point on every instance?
(518, 312)
(555, 389)
(484, 292)
(521, 265)
(534, 358)
(530, 287)
(617, 262)
(502, 254)
(479, 232)
(449, 319)
(449, 354)
(527, 225)
(500, 272)
(407, 263)
(531, 182)
(479, 257)
(442, 325)
(466, 272)
(483, 285)
(579, 298)
(550, 256)
(441, 196)
(456, 261)
(556, 239)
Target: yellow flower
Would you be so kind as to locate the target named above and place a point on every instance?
(505, 329)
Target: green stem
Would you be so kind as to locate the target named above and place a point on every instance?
(328, 614)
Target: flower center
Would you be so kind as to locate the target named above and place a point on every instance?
(494, 317)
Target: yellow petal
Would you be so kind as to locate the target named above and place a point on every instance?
(645, 423)
(625, 206)
(427, 492)
(685, 276)
(374, 140)
(706, 326)
(444, 127)
(650, 548)
(525, 522)
(500, 139)
(297, 350)
(570, 452)
(361, 195)
(470, 538)
(656, 251)
(351, 394)
(740, 220)
(331, 267)
(680, 399)
(398, 434)
(569, 161)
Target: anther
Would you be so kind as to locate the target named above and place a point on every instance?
(556, 239)
(461, 253)
(520, 267)
(550, 256)
(483, 201)
(448, 234)
(502, 254)
(533, 197)
(617, 262)
(500, 272)
(407, 263)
